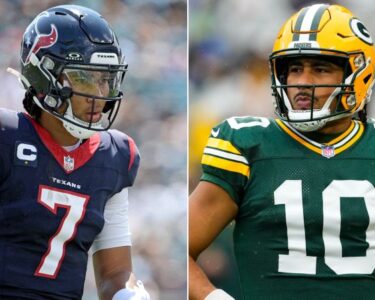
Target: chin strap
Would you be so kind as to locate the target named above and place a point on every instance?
(75, 130)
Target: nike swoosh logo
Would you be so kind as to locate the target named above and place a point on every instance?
(215, 133)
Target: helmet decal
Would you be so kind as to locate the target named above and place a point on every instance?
(41, 40)
(360, 31)
(74, 56)
(308, 23)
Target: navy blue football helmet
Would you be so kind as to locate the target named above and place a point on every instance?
(71, 50)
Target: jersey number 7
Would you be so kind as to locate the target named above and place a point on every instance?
(75, 205)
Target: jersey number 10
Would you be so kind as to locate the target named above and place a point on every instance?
(289, 193)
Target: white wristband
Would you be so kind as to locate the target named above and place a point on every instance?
(124, 294)
(218, 295)
(136, 293)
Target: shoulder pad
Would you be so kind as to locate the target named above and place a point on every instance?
(243, 132)
(128, 150)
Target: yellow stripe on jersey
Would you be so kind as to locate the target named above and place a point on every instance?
(225, 164)
(297, 138)
(335, 143)
(343, 135)
(353, 139)
(222, 145)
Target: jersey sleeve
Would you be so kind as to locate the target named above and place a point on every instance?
(3, 165)
(134, 159)
(129, 157)
(8, 127)
(115, 232)
(223, 161)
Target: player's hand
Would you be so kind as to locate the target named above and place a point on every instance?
(138, 292)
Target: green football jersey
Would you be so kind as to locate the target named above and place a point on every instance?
(305, 228)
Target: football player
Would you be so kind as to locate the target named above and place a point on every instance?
(300, 188)
(63, 177)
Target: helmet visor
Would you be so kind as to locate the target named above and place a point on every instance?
(99, 84)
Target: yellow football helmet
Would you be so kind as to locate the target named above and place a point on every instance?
(330, 32)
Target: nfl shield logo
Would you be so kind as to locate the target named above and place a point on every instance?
(328, 151)
(68, 163)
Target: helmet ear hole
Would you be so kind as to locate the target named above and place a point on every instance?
(367, 78)
(108, 106)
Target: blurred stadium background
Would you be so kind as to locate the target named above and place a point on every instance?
(229, 44)
(153, 35)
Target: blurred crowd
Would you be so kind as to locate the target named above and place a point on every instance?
(229, 45)
(153, 35)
